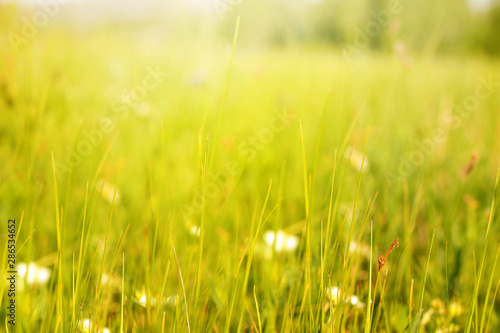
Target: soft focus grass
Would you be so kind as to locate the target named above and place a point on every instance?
(63, 84)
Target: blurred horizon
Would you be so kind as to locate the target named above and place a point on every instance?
(197, 5)
(446, 27)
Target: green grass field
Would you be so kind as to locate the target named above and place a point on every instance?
(149, 177)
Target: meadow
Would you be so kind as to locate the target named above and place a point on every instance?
(162, 184)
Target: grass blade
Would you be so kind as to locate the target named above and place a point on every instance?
(483, 259)
(420, 308)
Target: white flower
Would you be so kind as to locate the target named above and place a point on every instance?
(86, 326)
(143, 301)
(195, 230)
(281, 240)
(33, 274)
(108, 191)
(356, 159)
(171, 300)
(334, 294)
(356, 302)
(337, 296)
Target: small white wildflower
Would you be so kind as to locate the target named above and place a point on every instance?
(86, 326)
(33, 274)
(337, 296)
(356, 159)
(143, 301)
(108, 191)
(284, 241)
(195, 230)
(172, 300)
(356, 302)
(334, 294)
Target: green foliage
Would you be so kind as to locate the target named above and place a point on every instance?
(177, 242)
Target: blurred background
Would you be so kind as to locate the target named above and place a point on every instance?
(457, 27)
(396, 72)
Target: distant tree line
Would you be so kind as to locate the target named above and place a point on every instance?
(442, 26)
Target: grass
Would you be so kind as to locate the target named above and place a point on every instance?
(418, 324)
(161, 226)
